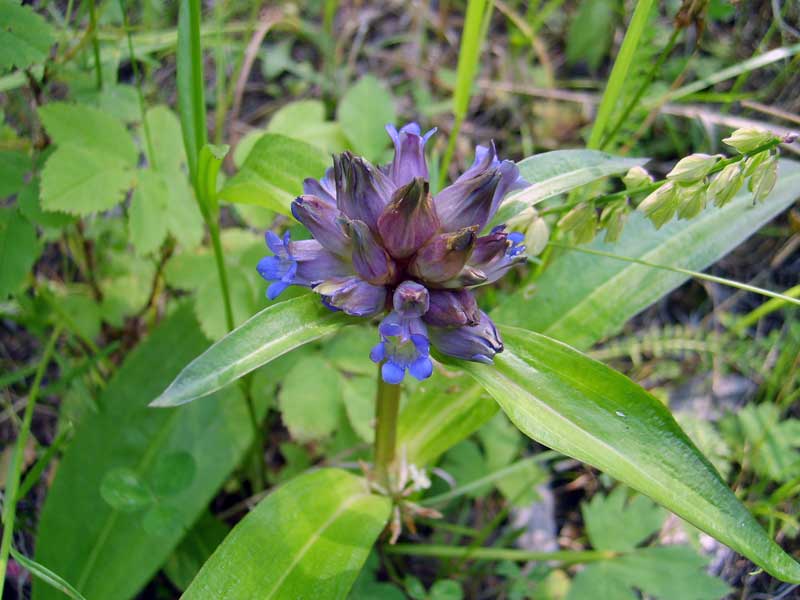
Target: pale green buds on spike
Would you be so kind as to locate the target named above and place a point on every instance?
(748, 139)
(725, 185)
(581, 221)
(691, 199)
(660, 206)
(536, 236)
(613, 218)
(751, 164)
(637, 178)
(693, 168)
(763, 180)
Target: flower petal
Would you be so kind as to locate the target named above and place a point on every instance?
(444, 256)
(478, 343)
(454, 308)
(362, 190)
(409, 153)
(409, 220)
(370, 260)
(324, 221)
(324, 189)
(353, 296)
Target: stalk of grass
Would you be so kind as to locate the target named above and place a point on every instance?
(619, 72)
(15, 467)
(476, 23)
(98, 68)
(44, 574)
(565, 557)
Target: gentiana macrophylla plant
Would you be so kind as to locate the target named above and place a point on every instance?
(384, 245)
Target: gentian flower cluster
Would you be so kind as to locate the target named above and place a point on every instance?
(384, 246)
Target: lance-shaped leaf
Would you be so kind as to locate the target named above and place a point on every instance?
(264, 337)
(309, 539)
(580, 407)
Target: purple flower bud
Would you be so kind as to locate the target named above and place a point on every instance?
(304, 263)
(370, 260)
(481, 152)
(477, 343)
(362, 190)
(409, 153)
(454, 308)
(409, 220)
(497, 252)
(411, 299)
(444, 255)
(324, 189)
(353, 296)
(324, 221)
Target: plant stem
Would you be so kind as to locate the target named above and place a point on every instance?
(15, 468)
(213, 230)
(387, 404)
(95, 44)
(441, 551)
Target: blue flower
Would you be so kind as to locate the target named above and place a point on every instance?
(382, 243)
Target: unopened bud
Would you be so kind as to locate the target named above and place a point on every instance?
(692, 168)
(660, 206)
(537, 236)
(581, 221)
(725, 185)
(749, 138)
(691, 200)
(636, 178)
(613, 219)
(752, 164)
(763, 180)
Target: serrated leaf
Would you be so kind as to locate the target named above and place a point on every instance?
(272, 176)
(264, 337)
(586, 410)
(147, 225)
(25, 37)
(90, 128)
(363, 112)
(80, 182)
(308, 539)
(19, 250)
(29, 205)
(615, 522)
(311, 399)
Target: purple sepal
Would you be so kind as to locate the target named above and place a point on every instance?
(370, 260)
(409, 153)
(409, 220)
(362, 190)
(478, 343)
(444, 256)
(496, 253)
(454, 308)
(324, 221)
(353, 296)
(324, 189)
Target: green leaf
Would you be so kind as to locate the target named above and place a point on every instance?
(614, 522)
(194, 550)
(14, 165)
(91, 129)
(311, 399)
(25, 37)
(363, 112)
(191, 82)
(662, 573)
(582, 310)
(266, 336)
(582, 408)
(446, 589)
(591, 31)
(47, 576)
(30, 206)
(80, 181)
(309, 539)
(184, 220)
(305, 120)
(112, 554)
(123, 490)
(209, 305)
(466, 464)
(165, 132)
(272, 175)
(358, 395)
(19, 250)
(147, 225)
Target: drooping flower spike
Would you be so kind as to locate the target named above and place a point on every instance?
(384, 246)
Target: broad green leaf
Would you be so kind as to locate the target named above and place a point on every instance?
(25, 37)
(124, 491)
(80, 181)
(272, 175)
(591, 31)
(184, 220)
(19, 250)
(112, 554)
(29, 205)
(165, 132)
(580, 310)
(266, 336)
(465, 463)
(580, 407)
(308, 539)
(14, 165)
(209, 306)
(194, 550)
(305, 120)
(311, 399)
(358, 395)
(147, 225)
(363, 112)
(662, 573)
(617, 523)
(89, 128)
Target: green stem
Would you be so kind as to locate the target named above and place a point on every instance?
(387, 405)
(95, 44)
(567, 557)
(213, 230)
(15, 468)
